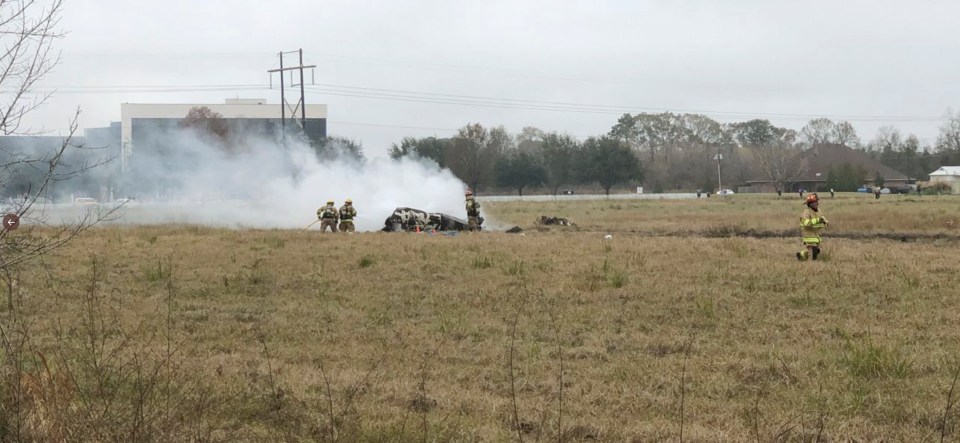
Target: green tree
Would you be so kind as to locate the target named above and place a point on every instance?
(759, 132)
(878, 179)
(474, 151)
(468, 156)
(530, 140)
(846, 177)
(559, 152)
(428, 147)
(339, 148)
(908, 157)
(519, 171)
(609, 161)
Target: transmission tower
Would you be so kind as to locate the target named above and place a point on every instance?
(285, 106)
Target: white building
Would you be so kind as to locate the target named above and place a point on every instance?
(138, 120)
(949, 175)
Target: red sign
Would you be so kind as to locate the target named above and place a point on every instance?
(11, 222)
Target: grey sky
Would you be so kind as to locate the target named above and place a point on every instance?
(733, 60)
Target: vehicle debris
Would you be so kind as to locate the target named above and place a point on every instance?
(412, 220)
(557, 221)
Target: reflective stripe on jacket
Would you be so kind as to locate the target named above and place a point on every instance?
(473, 207)
(347, 212)
(810, 226)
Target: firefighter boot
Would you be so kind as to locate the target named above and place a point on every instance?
(816, 252)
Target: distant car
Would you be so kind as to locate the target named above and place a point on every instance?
(865, 189)
(568, 192)
(84, 201)
(725, 192)
(885, 191)
(126, 201)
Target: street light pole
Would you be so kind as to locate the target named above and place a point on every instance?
(719, 183)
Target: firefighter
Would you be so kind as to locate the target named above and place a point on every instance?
(876, 192)
(328, 217)
(811, 222)
(473, 212)
(347, 213)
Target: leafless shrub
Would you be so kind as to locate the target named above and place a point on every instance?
(93, 384)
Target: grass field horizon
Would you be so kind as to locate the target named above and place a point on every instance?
(676, 326)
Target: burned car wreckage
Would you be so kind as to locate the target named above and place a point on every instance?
(409, 219)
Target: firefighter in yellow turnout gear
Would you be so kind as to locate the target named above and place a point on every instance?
(473, 212)
(347, 213)
(328, 217)
(811, 222)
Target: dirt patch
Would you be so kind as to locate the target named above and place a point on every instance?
(726, 232)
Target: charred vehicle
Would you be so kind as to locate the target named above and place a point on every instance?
(410, 219)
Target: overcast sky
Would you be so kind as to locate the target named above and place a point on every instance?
(388, 69)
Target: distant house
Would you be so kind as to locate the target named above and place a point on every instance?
(949, 175)
(817, 162)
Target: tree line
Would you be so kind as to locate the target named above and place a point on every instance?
(669, 152)
(659, 151)
(490, 158)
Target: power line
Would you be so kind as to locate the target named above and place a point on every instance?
(147, 89)
(471, 101)
(507, 103)
(171, 55)
(392, 126)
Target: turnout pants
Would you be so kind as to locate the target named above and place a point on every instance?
(328, 222)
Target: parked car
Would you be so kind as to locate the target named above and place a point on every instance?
(725, 192)
(126, 201)
(84, 201)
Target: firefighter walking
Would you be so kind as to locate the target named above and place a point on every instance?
(328, 217)
(347, 214)
(473, 212)
(812, 222)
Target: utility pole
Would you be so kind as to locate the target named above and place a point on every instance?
(719, 156)
(301, 103)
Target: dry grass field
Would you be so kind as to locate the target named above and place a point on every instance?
(671, 331)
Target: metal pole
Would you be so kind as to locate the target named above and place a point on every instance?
(283, 101)
(303, 98)
(719, 184)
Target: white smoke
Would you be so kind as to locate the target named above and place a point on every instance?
(263, 183)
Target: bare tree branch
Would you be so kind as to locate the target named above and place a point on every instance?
(28, 30)
(781, 162)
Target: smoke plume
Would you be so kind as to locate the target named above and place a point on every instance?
(258, 181)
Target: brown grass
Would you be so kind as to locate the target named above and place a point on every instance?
(410, 337)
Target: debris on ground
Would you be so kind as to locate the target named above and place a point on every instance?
(412, 220)
(557, 221)
(514, 230)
